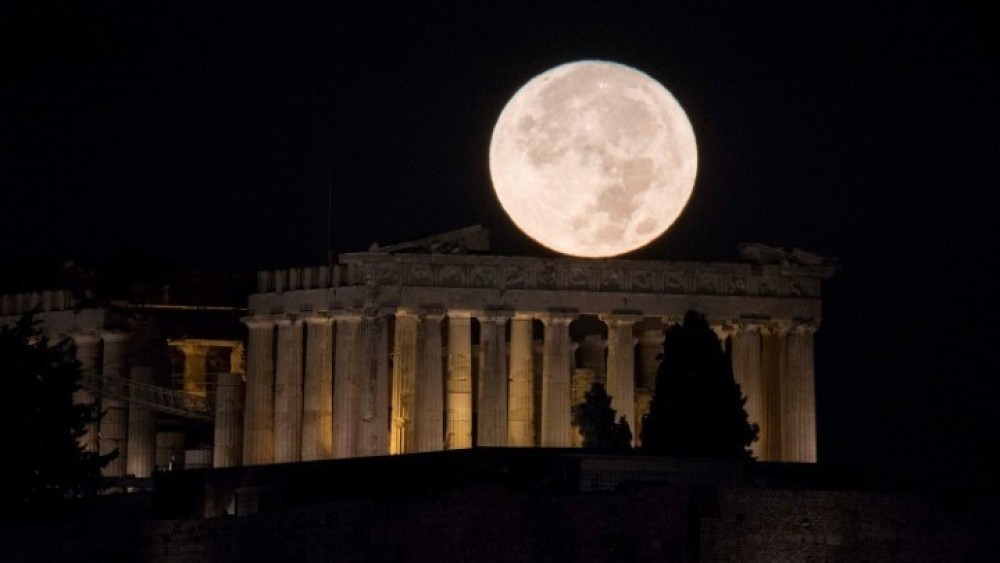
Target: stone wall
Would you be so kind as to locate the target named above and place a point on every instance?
(645, 522)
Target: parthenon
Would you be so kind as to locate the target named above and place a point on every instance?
(407, 352)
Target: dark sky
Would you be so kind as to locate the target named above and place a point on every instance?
(202, 137)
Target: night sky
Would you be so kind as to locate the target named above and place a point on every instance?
(182, 138)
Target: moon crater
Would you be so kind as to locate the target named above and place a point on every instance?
(593, 159)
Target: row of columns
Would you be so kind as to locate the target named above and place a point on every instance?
(130, 428)
(342, 412)
(774, 364)
(297, 411)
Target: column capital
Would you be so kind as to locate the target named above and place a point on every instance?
(259, 321)
(776, 327)
(288, 320)
(460, 314)
(750, 323)
(723, 329)
(621, 317)
(498, 314)
(523, 316)
(317, 318)
(558, 315)
(407, 312)
(804, 326)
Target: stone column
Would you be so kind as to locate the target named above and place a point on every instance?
(747, 372)
(141, 431)
(773, 366)
(521, 399)
(491, 419)
(317, 398)
(288, 392)
(258, 414)
(404, 373)
(228, 448)
(458, 401)
(621, 364)
(114, 425)
(556, 427)
(798, 398)
(195, 368)
(428, 396)
(88, 352)
(373, 437)
(346, 382)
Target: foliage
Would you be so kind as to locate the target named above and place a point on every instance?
(44, 461)
(698, 408)
(596, 420)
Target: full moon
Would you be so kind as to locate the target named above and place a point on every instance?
(593, 159)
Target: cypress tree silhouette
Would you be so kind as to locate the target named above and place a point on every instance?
(44, 463)
(698, 408)
(596, 420)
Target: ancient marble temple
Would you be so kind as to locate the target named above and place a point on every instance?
(401, 350)
(430, 345)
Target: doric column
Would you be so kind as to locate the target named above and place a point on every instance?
(317, 398)
(346, 383)
(556, 427)
(258, 413)
(114, 425)
(521, 397)
(428, 398)
(288, 392)
(88, 352)
(195, 367)
(621, 364)
(373, 429)
(458, 400)
(492, 412)
(141, 431)
(773, 365)
(404, 373)
(747, 372)
(798, 399)
(228, 449)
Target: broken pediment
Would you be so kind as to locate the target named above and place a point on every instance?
(764, 254)
(461, 241)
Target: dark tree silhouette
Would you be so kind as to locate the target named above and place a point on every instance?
(698, 408)
(596, 420)
(44, 462)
